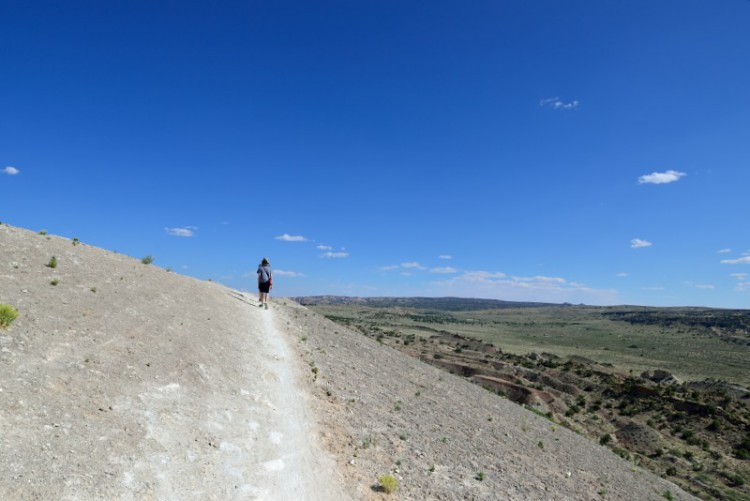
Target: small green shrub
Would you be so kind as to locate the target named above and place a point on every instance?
(7, 315)
(540, 444)
(43, 232)
(76, 241)
(147, 259)
(54, 282)
(668, 495)
(388, 484)
(52, 262)
(480, 476)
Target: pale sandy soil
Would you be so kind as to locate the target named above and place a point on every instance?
(124, 381)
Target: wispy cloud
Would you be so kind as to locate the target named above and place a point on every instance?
(445, 256)
(705, 286)
(291, 238)
(724, 251)
(334, 255)
(637, 243)
(11, 171)
(390, 267)
(444, 270)
(738, 276)
(669, 176)
(498, 285)
(558, 104)
(657, 288)
(412, 265)
(324, 247)
(286, 273)
(622, 274)
(739, 260)
(742, 286)
(187, 231)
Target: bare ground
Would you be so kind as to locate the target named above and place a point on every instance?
(125, 381)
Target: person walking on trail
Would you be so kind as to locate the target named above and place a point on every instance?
(265, 282)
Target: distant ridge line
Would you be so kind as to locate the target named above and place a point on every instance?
(438, 303)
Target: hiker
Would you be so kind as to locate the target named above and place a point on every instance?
(265, 282)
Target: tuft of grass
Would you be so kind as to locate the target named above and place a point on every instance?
(668, 495)
(76, 241)
(540, 444)
(480, 476)
(366, 442)
(93, 289)
(52, 262)
(43, 232)
(7, 315)
(388, 484)
(54, 282)
(147, 259)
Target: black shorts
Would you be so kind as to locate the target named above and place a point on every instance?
(264, 287)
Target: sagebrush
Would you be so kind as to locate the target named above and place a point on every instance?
(7, 315)
(388, 483)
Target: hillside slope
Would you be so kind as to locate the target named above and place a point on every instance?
(444, 437)
(124, 381)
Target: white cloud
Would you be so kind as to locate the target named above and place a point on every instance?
(740, 260)
(498, 285)
(622, 274)
(334, 255)
(738, 276)
(704, 286)
(724, 251)
(412, 265)
(324, 247)
(669, 176)
(407, 273)
(390, 267)
(743, 286)
(637, 243)
(540, 279)
(291, 274)
(483, 275)
(187, 231)
(444, 270)
(557, 104)
(652, 288)
(11, 171)
(291, 238)
(445, 256)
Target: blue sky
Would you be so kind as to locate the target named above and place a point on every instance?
(564, 151)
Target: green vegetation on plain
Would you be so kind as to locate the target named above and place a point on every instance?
(692, 343)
